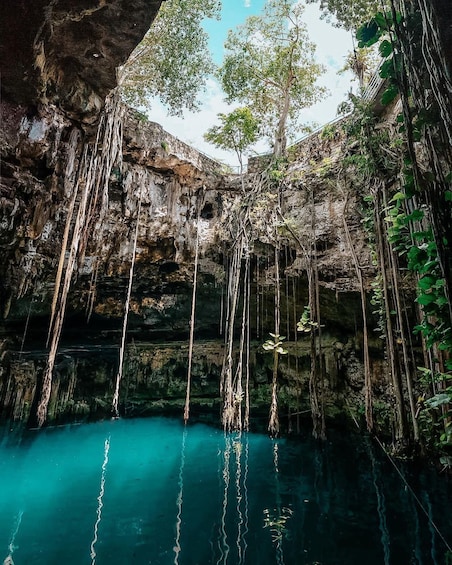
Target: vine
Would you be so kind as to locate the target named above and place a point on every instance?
(418, 214)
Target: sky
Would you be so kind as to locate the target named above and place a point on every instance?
(332, 43)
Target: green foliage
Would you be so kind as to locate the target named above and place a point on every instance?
(141, 117)
(349, 14)
(362, 63)
(305, 324)
(370, 152)
(436, 410)
(377, 30)
(277, 169)
(270, 67)
(173, 60)
(238, 131)
(275, 344)
(410, 218)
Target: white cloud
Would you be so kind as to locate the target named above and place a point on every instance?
(247, 4)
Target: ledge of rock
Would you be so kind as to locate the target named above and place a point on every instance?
(64, 52)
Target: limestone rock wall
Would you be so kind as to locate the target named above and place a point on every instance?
(181, 192)
(67, 148)
(65, 52)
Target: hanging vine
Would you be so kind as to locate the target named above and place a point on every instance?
(87, 188)
(419, 215)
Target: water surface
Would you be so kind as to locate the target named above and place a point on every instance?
(149, 491)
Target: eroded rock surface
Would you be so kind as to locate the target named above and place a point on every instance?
(65, 52)
(73, 163)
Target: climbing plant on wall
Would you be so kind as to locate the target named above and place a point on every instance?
(411, 208)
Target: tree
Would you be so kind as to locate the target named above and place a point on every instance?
(269, 66)
(238, 130)
(349, 14)
(362, 62)
(173, 61)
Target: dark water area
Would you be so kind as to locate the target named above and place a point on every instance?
(149, 491)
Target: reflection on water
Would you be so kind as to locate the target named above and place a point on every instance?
(154, 492)
(100, 501)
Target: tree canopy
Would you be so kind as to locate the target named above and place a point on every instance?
(238, 131)
(349, 14)
(173, 61)
(270, 67)
(362, 62)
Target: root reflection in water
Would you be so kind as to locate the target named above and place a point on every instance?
(100, 503)
(234, 515)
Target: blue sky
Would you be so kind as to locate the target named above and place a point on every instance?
(332, 47)
(233, 13)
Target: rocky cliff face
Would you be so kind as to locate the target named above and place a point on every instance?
(81, 177)
(179, 193)
(64, 53)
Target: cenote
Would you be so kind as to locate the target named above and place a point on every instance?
(155, 491)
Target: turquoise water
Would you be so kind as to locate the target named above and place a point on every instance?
(153, 492)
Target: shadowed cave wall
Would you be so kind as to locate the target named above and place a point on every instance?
(52, 102)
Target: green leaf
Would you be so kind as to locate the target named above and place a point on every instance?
(389, 94)
(426, 282)
(441, 301)
(438, 400)
(368, 34)
(416, 215)
(426, 299)
(385, 48)
(448, 195)
(398, 196)
(380, 20)
(387, 69)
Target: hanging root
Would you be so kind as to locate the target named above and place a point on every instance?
(115, 402)
(86, 186)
